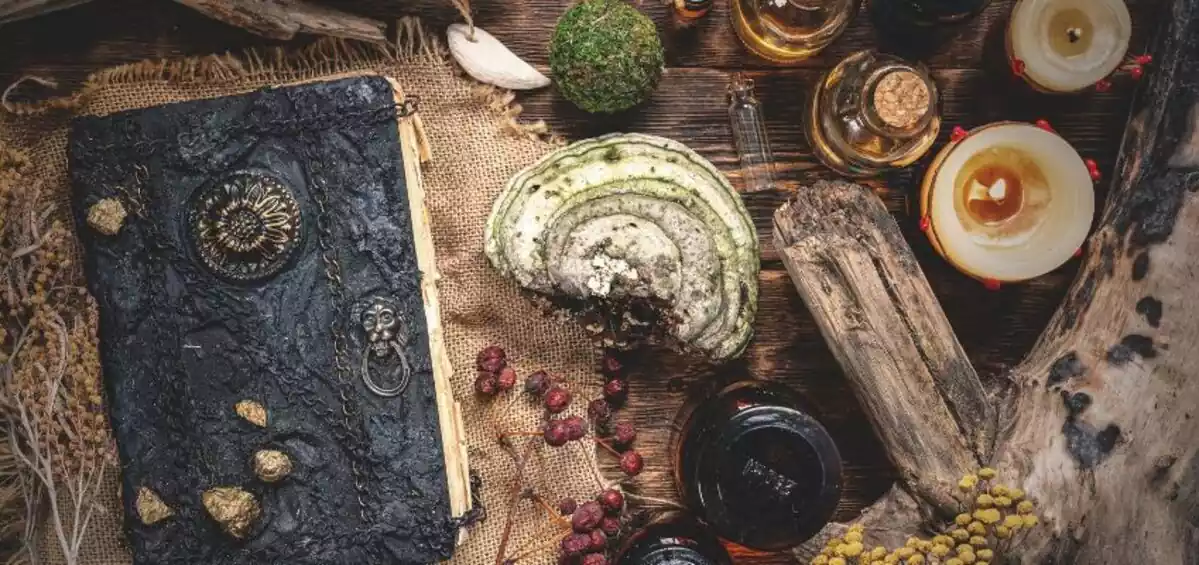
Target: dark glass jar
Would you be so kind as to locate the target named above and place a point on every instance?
(758, 469)
(674, 539)
(914, 28)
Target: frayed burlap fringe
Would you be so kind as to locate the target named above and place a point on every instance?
(324, 57)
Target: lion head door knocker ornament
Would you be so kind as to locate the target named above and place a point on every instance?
(246, 227)
(386, 337)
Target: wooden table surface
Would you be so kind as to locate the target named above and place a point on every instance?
(996, 328)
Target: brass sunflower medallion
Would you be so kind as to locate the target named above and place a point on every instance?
(246, 227)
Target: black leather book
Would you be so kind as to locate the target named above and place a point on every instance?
(265, 345)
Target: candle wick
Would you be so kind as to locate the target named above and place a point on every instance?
(998, 191)
(1074, 34)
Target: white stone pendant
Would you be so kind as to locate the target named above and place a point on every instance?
(487, 60)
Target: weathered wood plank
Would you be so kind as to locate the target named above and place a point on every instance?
(867, 294)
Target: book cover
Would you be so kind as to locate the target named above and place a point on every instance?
(264, 340)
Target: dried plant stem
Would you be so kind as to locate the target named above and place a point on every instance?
(653, 500)
(550, 510)
(518, 488)
(524, 552)
(595, 472)
(51, 413)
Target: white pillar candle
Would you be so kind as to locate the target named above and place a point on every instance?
(1007, 202)
(1067, 45)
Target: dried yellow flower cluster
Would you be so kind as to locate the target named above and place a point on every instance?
(994, 515)
(52, 388)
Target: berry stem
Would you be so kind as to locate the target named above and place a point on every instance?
(605, 445)
(595, 473)
(526, 551)
(515, 434)
(660, 501)
(513, 501)
(553, 512)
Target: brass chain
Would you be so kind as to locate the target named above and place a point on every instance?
(341, 351)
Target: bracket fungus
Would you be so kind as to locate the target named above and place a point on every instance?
(640, 236)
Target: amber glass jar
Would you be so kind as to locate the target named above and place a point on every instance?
(758, 469)
(673, 539)
(873, 112)
(788, 31)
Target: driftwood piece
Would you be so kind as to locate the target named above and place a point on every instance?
(859, 278)
(283, 19)
(1101, 422)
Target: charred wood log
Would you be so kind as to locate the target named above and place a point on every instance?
(283, 19)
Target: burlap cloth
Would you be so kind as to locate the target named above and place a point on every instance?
(477, 145)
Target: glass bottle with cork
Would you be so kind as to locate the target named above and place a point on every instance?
(871, 113)
(787, 31)
(756, 467)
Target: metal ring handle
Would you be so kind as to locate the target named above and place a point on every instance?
(374, 387)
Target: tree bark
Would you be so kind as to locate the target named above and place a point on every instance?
(1101, 422)
(283, 19)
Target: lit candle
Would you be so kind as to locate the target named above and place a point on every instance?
(1067, 45)
(1008, 202)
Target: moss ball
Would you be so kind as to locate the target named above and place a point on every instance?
(606, 56)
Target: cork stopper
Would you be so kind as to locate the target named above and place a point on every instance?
(901, 99)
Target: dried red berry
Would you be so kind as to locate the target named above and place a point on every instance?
(567, 506)
(616, 390)
(612, 501)
(486, 384)
(1137, 72)
(1103, 85)
(576, 427)
(610, 366)
(599, 540)
(595, 559)
(599, 409)
(557, 399)
(537, 383)
(491, 359)
(610, 526)
(507, 378)
(555, 433)
(587, 517)
(1096, 175)
(1144, 59)
(624, 434)
(631, 463)
(575, 544)
(992, 285)
(959, 133)
(924, 223)
(1044, 124)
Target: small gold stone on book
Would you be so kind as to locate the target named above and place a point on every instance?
(252, 411)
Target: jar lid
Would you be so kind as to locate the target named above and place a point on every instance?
(771, 463)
